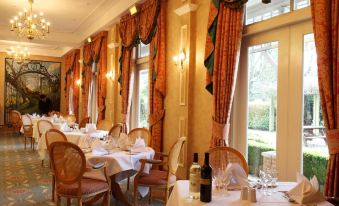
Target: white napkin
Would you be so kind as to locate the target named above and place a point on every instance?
(238, 177)
(139, 146)
(123, 141)
(91, 128)
(99, 151)
(306, 191)
(65, 128)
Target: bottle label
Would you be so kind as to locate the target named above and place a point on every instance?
(194, 183)
(205, 181)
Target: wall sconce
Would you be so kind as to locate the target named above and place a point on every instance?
(89, 39)
(110, 75)
(179, 59)
(133, 10)
(78, 82)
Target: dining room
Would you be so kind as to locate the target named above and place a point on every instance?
(169, 102)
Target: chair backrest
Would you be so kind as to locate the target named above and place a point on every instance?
(115, 130)
(68, 162)
(26, 119)
(43, 126)
(104, 125)
(173, 157)
(83, 122)
(15, 116)
(221, 156)
(140, 133)
(54, 135)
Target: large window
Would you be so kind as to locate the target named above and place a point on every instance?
(141, 88)
(256, 11)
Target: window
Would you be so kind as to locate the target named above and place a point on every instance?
(256, 11)
(141, 88)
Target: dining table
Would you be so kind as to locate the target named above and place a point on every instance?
(180, 197)
(120, 164)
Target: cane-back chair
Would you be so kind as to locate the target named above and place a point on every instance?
(104, 125)
(83, 122)
(140, 133)
(15, 120)
(27, 127)
(43, 127)
(115, 130)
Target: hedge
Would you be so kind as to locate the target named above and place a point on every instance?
(310, 159)
(259, 116)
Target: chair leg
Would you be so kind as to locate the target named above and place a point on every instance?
(33, 143)
(128, 184)
(42, 163)
(58, 200)
(25, 141)
(150, 196)
(107, 199)
(68, 201)
(80, 201)
(53, 187)
(136, 195)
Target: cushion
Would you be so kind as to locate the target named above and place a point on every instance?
(88, 185)
(157, 177)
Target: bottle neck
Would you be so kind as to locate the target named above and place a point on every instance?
(195, 158)
(207, 161)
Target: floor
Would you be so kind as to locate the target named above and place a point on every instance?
(23, 181)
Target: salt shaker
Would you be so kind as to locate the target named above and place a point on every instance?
(244, 193)
(252, 195)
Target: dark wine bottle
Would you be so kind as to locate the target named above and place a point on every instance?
(206, 181)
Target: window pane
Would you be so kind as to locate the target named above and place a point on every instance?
(315, 152)
(143, 50)
(299, 4)
(262, 105)
(256, 11)
(143, 99)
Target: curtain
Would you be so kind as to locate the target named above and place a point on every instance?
(325, 17)
(147, 26)
(157, 79)
(72, 74)
(95, 53)
(222, 51)
(86, 77)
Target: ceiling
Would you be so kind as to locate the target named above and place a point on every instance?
(72, 21)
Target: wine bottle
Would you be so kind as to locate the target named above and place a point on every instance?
(206, 181)
(194, 189)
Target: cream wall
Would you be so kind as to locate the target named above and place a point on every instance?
(3, 55)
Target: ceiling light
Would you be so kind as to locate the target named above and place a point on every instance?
(29, 24)
(133, 10)
(18, 53)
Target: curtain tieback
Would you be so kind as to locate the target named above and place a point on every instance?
(156, 117)
(219, 130)
(332, 137)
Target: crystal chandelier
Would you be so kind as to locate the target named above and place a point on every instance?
(31, 25)
(18, 53)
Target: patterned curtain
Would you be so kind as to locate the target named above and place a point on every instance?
(147, 26)
(86, 77)
(99, 53)
(225, 24)
(72, 74)
(325, 17)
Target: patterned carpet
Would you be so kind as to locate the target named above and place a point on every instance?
(23, 181)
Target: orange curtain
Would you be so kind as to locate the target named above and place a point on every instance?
(72, 74)
(99, 53)
(222, 51)
(86, 77)
(157, 79)
(325, 17)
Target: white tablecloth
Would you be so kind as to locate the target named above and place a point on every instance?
(180, 197)
(119, 162)
(76, 137)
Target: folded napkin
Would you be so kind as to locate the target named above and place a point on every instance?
(238, 176)
(91, 128)
(124, 142)
(95, 144)
(139, 145)
(306, 191)
(65, 128)
(99, 151)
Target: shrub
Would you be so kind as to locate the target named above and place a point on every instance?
(259, 116)
(254, 154)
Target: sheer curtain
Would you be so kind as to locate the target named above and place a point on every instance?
(70, 101)
(92, 103)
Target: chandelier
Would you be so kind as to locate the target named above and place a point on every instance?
(18, 53)
(29, 24)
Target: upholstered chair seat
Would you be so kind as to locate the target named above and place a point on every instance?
(157, 177)
(88, 186)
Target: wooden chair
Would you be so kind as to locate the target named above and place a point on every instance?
(222, 155)
(43, 127)
(83, 122)
(104, 125)
(27, 127)
(159, 179)
(140, 133)
(54, 135)
(69, 165)
(15, 120)
(115, 130)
